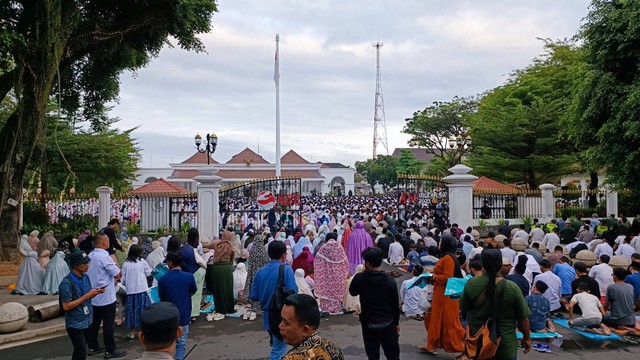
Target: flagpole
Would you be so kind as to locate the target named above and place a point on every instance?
(276, 78)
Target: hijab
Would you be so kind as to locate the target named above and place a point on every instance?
(30, 276)
(448, 247)
(303, 286)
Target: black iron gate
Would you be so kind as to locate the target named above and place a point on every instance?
(422, 192)
(250, 202)
(183, 212)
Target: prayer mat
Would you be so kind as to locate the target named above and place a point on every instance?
(597, 337)
(539, 335)
(208, 306)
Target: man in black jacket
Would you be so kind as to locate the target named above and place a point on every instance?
(380, 314)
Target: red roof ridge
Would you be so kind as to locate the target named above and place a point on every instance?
(247, 157)
(160, 186)
(199, 158)
(485, 183)
(292, 157)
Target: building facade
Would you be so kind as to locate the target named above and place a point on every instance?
(317, 178)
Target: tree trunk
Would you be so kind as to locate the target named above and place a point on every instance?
(37, 63)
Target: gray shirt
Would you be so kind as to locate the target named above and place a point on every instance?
(620, 298)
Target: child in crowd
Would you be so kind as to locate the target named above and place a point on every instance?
(475, 266)
(539, 306)
(413, 256)
(592, 311)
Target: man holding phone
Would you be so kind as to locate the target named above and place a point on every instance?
(75, 298)
(102, 274)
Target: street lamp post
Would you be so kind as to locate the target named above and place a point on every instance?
(208, 146)
(461, 145)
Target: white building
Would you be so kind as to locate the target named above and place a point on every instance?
(247, 165)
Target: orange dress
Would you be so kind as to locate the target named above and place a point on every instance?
(445, 330)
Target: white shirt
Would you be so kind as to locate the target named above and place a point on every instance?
(603, 273)
(396, 253)
(134, 276)
(474, 252)
(415, 237)
(509, 254)
(625, 250)
(551, 240)
(603, 249)
(429, 241)
(589, 304)
(553, 292)
(102, 270)
(635, 242)
(521, 234)
(410, 298)
(536, 235)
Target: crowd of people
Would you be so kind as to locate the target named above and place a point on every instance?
(330, 260)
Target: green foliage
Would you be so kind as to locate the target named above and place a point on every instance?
(516, 131)
(607, 100)
(408, 163)
(482, 223)
(381, 171)
(437, 167)
(109, 157)
(432, 127)
(501, 222)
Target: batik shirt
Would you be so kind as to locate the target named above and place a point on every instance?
(314, 347)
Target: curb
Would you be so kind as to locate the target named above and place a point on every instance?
(28, 336)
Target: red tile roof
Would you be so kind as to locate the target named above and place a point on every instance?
(486, 184)
(293, 157)
(199, 158)
(247, 157)
(184, 174)
(160, 186)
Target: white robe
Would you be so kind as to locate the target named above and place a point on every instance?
(30, 275)
(56, 270)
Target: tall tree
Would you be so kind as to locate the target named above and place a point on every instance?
(607, 104)
(408, 163)
(432, 127)
(84, 46)
(381, 170)
(518, 131)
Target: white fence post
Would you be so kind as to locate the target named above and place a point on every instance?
(460, 195)
(548, 202)
(208, 205)
(612, 202)
(104, 205)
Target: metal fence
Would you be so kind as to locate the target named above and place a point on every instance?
(68, 207)
(507, 204)
(581, 203)
(628, 203)
(422, 190)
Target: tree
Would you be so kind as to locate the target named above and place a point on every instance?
(517, 131)
(408, 163)
(381, 170)
(84, 46)
(607, 103)
(432, 127)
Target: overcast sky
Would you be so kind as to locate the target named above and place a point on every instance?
(433, 51)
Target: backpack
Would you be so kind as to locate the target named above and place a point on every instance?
(277, 303)
(485, 342)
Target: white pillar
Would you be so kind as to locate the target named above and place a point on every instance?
(612, 202)
(460, 195)
(548, 202)
(208, 205)
(104, 205)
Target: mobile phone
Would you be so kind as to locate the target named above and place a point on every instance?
(102, 287)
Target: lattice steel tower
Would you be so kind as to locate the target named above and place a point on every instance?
(379, 121)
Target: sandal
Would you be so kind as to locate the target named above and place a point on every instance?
(252, 316)
(424, 349)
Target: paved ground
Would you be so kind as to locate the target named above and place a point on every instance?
(242, 339)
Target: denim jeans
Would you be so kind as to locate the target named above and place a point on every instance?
(278, 348)
(181, 343)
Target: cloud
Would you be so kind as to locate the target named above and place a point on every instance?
(433, 51)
